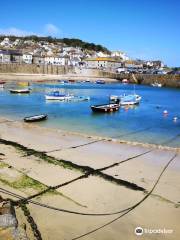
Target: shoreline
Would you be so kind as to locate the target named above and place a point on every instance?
(89, 136)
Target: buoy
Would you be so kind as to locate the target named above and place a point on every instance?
(165, 112)
(175, 119)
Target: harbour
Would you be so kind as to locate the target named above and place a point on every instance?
(144, 122)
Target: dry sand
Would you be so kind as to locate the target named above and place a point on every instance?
(95, 193)
(50, 77)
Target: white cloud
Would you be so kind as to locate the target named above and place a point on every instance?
(47, 29)
(15, 31)
(51, 29)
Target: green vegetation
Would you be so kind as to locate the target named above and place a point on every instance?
(2, 165)
(24, 182)
(73, 42)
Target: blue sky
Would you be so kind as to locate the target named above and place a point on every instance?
(144, 29)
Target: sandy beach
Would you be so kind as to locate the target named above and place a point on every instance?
(115, 176)
(50, 77)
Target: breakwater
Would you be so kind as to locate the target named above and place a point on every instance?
(167, 80)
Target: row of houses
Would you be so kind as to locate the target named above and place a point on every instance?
(12, 56)
(103, 63)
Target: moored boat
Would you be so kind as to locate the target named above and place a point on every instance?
(20, 91)
(156, 84)
(56, 95)
(23, 84)
(79, 98)
(130, 100)
(125, 81)
(114, 98)
(2, 82)
(100, 82)
(36, 118)
(111, 107)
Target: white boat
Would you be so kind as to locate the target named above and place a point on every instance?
(129, 100)
(125, 81)
(56, 95)
(79, 99)
(156, 84)
(135, 97)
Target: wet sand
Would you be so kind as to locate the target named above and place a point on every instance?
(126, 173)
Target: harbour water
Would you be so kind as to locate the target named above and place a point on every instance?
(144, 123)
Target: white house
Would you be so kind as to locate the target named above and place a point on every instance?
(27, 58)
(4, 57)
(120, 54)
(102, 63)
(56, 60)
(6, 43)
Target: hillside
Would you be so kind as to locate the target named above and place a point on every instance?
(73, 42)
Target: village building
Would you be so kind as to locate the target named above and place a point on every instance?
(10, 56)
(27, 58)
(4, 57)
(57, 60)
(119, 54)
(38, 59)
(133, 64)
(102, 63)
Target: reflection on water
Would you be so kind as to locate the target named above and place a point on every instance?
(143, 123)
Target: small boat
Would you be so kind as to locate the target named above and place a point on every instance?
(111, 107)
(79, 99)
(56, 95)
(23, 84)
(100, 82)
(125, 81)
(114, 98)
(2, 82)
(20, 91)
(156, 84)
(36, 118)
(1, 85)
(129, 100)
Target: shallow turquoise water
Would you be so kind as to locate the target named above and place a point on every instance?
(144, 123)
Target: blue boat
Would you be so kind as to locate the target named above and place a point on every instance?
(100, 82)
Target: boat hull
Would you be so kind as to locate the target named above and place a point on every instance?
(59, 98)
(105, 108)
(36, 118)
(17, 91)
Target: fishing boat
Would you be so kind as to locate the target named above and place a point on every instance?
(20, 91)
(156, 84)
(125, 81)
(104, 108)
(130, 100)
(79, 99)
(115, 97)
(100, 82)
(56, 95)
(36, 118)
(71, 80)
